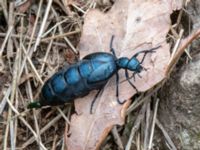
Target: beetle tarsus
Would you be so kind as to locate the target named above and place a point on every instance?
(121, 103)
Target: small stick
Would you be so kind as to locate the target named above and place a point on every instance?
(29, 50)
(53, 28)
(79, 9)
(61, 31)
(25, 123)
(34, 111)
(138, 142)
(142, 99)
(10, 28)
(32, 66)
(54, 142)
(60, 35)
(136, 126)
(63, 115)
(4, 8)
(43, 24)
(47, 53)
(153, 125)
(176, 46)
(183, 44)
(167, 137)
(12, 97)
(3, 102)
(117, 138)
(46, 127)
(147, 125)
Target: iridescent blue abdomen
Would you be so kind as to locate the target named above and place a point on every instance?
(92, 72)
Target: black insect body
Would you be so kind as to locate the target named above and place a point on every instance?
(90, 73)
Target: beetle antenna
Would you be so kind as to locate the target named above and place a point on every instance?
(111, 45)
(111, 41)
(35, 104)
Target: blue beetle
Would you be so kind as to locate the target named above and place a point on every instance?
(90, 73)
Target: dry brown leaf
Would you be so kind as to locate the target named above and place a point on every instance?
(136, 25)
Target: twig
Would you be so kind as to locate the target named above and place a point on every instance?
(54, 142)
(136, 126)
(117, 138)
(13, 35)
(10, 28)
(176, 46)
(16, 122)
(138, 142)
(47, 53)
(45, 39)
(13, 89)
(25, 123)
(32, 66)
(63, 115)
(137, 102)
(42, 39)
(52, 122)
(146, 132)
(141, 99)
(184, 43)
(60, 35)
(21, 114)
(53, 28)
(64, 6)
(43, 24)
(153, 125)
(79, 9)
(61, 31)
(10, 24)
(4, 8)
(34, 111)
(29, 50)
(3, 102)
(63, 144)
(167, 137)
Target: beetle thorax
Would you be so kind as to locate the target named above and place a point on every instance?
(131, 64)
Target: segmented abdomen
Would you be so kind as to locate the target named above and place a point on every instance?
(78, 80)
(66, 85)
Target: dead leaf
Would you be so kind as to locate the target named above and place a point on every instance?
(136, 25)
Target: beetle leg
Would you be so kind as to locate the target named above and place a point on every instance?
(127, 77)
(117, 90)
(93, 101)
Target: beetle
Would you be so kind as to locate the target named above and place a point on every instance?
(90, 73)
